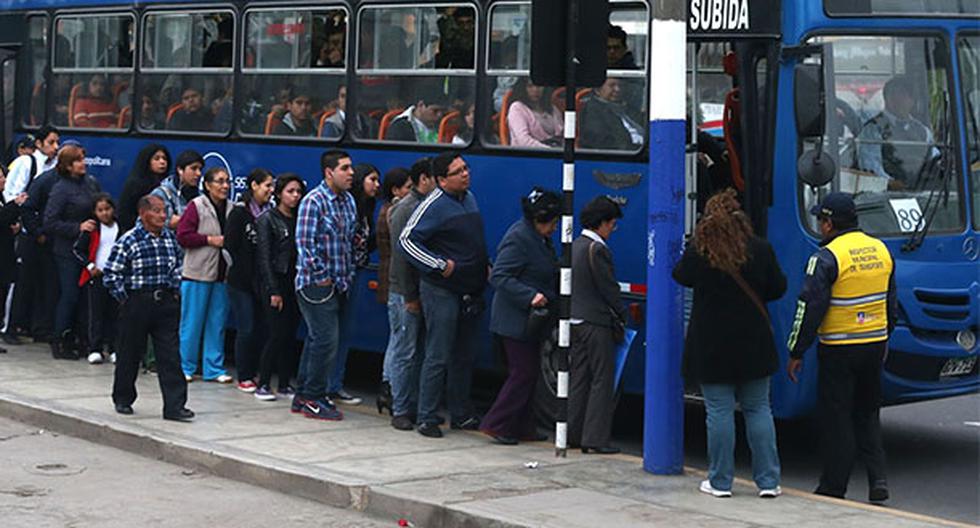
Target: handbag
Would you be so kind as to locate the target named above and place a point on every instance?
(539, 321)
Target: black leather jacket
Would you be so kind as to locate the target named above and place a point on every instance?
(275, 255)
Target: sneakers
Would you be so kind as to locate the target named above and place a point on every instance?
(95, 358)
(297, 406)
(344, 397)
(770, 493)
(467, 424)
(706, 488)
(188, 378)
(430, 430)
(248, 386)
(322, 409)
(878, 492)
(286, 392)
(223, 378)
(263, 393)
(112, 358)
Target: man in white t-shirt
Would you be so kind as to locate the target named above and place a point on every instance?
(27, 166)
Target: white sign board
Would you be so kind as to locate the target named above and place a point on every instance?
(907, 213)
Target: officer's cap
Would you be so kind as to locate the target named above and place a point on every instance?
(835, 206)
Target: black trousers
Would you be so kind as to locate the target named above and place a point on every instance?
(156, 315)
(590, 392)
(280, 347)
(36, 290)
(849, 400)
(99, 316)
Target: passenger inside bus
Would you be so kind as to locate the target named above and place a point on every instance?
(151, 118)
(419, 123)
(361, 126)
(331, 50)
(894, 144)
(606, 121)
(618, 55)
(219, 51)
(464, 134)
(532, 120)
(192, 114)
(456, 38)
(297, 120)
(95, 107)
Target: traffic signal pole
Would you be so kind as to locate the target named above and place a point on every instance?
(663, 420)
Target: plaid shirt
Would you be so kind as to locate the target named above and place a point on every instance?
(325, 228)
(140, 260)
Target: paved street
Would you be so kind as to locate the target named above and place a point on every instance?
(53, 480)
(362, 464)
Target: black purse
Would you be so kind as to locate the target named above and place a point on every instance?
(539, 321)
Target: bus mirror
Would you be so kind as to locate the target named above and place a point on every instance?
(808, 100)
(816, 168)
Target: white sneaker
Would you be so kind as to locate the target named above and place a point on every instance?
(112, 358)
(224, 378)
(770, 493)
(95, 358)
(706, 488)
(188, 378)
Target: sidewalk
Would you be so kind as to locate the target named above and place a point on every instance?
(364, 464)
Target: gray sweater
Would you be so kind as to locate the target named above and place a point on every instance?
(403, 278)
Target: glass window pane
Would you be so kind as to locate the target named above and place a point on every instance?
(626, 45)
(186, 102)
(90, 100)
(104, 41)
(889, 128)
(36, 61)
(188, 40)
(295, 39)
(969, 51)
(414, 109)
(510, 37)
(294, 105)
(410, 38)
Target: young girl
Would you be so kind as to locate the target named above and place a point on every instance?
(92, 250)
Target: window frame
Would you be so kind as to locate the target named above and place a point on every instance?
(25, 81)
(944, 38)
(190, 70)
(338, 5)
(435, 72)
(91, 14)
(972, 184)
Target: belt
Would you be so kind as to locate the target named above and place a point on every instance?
(158, 294)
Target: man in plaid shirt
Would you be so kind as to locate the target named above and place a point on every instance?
(143, 275)
(325, 227)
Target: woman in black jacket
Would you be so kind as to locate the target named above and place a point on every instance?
(275, 260)
(525, 277)
(149, 169)
(729, 348)
(240, 241)
(9, 226)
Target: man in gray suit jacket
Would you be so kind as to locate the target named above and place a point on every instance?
(596, 311)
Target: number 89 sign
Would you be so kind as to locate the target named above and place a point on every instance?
(907, 213)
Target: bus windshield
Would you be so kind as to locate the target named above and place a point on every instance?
(969, 50)
(889, 126)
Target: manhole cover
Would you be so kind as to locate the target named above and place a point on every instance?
(55, 469)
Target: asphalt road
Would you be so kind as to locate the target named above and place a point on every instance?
(49, 480)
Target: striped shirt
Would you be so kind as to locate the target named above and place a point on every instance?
(325, 227)
(141, 260)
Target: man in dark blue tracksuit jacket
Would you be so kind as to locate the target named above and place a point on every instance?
(444, 239)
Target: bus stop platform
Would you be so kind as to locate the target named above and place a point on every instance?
(362, 463)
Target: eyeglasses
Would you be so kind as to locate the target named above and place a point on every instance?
(457, 172)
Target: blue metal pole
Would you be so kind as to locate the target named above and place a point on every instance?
(663, 426)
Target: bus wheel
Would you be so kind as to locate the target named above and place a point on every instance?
(546, 390)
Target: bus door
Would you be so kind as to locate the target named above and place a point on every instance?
(11, 29)
(733, 59)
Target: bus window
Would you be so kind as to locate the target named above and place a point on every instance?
(416, 79)
(36, 61)
(969, 51)
(522, 115)
(186, 71)
(93, 69)
(889, 127)
(294, 72)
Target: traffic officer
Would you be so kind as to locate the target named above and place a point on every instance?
(848, 303)
(143, 275)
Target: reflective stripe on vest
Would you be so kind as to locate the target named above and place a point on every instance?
(858, 311)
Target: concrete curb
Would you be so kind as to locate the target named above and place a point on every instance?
(284, 477)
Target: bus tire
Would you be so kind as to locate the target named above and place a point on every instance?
(546, 390)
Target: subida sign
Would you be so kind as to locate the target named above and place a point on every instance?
(720, 19)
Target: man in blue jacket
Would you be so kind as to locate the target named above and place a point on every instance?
(444, 239)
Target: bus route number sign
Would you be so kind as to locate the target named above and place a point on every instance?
(907, 213)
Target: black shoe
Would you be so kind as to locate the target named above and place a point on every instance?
(535, 437)
(467, 424)
(183, 415)
(384, 399)
(604, 450)
(878, 492)
(402, 423)
(3, 350)
(11, 339)
(504, 440)
(59, 351)
(430, 430)
(124, 409)
(826, 493)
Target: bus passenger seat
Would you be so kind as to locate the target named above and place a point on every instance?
(386, 120)
(173, 110)
(72, 97)
(448, 126)
(503, 129)
(125, 115)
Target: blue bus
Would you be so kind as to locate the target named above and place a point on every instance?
(272, 84)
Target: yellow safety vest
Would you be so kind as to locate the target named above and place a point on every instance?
(858, 311)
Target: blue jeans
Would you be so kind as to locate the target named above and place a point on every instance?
(719, 400)
(68, 272)
(203, 310)
(450, 341)
(401, 358)
(339, 370)
(249, 332)
(322, 308)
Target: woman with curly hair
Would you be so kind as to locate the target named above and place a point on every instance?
(729, 349)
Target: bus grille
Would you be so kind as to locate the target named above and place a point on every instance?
(948, 305)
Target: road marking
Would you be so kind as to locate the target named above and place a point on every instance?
(972, 424)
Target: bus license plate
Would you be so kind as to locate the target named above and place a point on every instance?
(958, 366)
